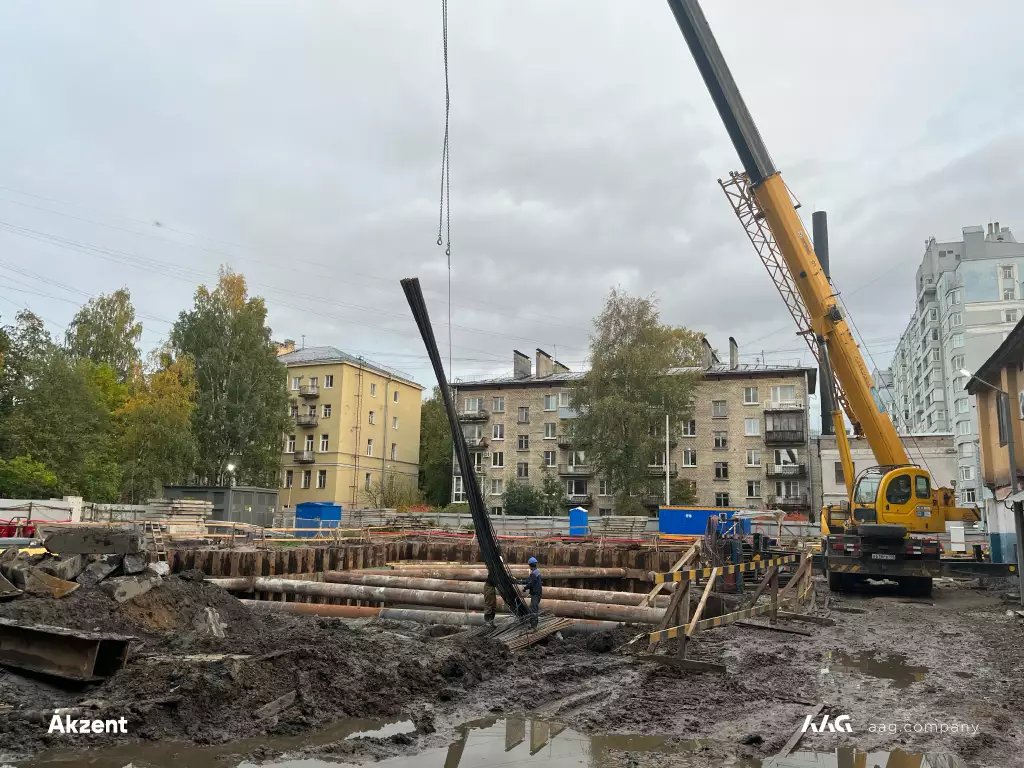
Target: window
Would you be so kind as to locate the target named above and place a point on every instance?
(522, 470)
(474, 404)
(721, 470)
(497, 431)
(312, 410)
(719, 409)
(328, 381)
(550, 402)
(321, 478)
(523, 444)
(786, 456)
(288, 477)
(294, 411)
(563, 399)
(373, 389)
(373, 417)
(604, 511)
(753, 489)
(524, 415)
(750, 396)
(309, 442)
(394, 451)
(933, 314)
(498, 405)
(898, 491)
(967, 473)
(690, 428)
(689, 457)
(394, 396)
(577, 459)
(296, 382)
(954, 298)
(940, 416)
(290, 447)
(934, 356)
(307, 475)
(478, 461)
(788, 489)
(369, 447)
(496, 511)
(963, 427)
(550, 430)
(458, 489)
(962, 406)
(324, 443)
(496, 486)
(955, 320)
(721, 499)
(549, 458)
(1007, 273)
(957, 340)
(751, 427)
(313, 381)
(721, 441)
(1009, 294)
(576, 486)
(922, 488)
(958, 362)
(969, 496)
(784, 393)
(394, 422)
(840, 478)
(965, 450)
(1010, 316)
(753, 457)
(498, 459)
(604, 488)
(327, 410)
(474, 434)
(959, 383)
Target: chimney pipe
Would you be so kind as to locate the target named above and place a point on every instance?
(545, 365)
(734, 354)
(819, 226)
(522, 367)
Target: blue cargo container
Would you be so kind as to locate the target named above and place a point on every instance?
(316, 515)
(693, 521)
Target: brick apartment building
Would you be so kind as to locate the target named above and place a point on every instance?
(747, 444)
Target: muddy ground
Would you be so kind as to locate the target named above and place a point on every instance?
(954, 658)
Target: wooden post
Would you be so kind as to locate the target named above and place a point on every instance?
(691, 626)
(774, 613)
(683, 616)
(765, 581)
(684, 560)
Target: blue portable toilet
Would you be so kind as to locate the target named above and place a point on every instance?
(315, 515)
(579, 522)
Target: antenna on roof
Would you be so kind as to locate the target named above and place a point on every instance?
(303, 341)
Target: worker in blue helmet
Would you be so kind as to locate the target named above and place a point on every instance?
(532, 586)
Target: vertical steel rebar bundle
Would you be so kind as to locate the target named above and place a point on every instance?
(490, 551)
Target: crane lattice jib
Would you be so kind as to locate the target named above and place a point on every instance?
(738, 192)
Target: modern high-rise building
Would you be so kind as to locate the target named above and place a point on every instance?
(968, 298)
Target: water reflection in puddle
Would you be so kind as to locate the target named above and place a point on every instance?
(853, 758)
(884, 666)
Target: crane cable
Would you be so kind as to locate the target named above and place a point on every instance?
(444, 215)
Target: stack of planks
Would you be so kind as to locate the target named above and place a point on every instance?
(188, 515)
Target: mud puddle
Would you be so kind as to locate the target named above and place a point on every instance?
(854, 758)
(883, 666)
(169, 753)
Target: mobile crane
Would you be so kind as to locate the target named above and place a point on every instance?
(889, 525)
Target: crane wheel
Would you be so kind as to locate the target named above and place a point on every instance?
(835, 581)
(917, 586)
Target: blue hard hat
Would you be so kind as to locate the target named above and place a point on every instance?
(532, 561)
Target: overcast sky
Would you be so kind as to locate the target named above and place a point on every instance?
(145, 144)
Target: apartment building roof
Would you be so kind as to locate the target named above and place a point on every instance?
(332, 355)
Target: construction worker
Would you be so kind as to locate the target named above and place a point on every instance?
(490, 601)
(532, 586)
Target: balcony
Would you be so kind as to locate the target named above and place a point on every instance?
(652, 499)
(784, 405)
(304, 457)
(564, 441)
(476, 443)
(799, 501)
(306, 420)
(579, 499)
(309, 390)
(784, 436)
(575, 470)
(787, 470)
(479, 414)
(658, 470)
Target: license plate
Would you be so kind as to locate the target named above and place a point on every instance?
(882, 556)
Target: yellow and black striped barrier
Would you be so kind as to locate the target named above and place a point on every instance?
(717, 621)
(703, 573)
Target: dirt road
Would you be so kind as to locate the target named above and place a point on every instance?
(900, 669)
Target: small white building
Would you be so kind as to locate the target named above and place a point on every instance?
(933, 451)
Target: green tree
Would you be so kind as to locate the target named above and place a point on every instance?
(241, 402)
(28, 347)
(521, 499)
(552, 496)
(157, 444)
(391, 491)
(637, 376)
(435, 481)
(105, 331)
(24, 478)
(64, 418)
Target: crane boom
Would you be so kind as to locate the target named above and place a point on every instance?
(770, 201)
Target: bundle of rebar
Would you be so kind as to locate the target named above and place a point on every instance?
(490, 550)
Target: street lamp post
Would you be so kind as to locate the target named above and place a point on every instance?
(1003, 415)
